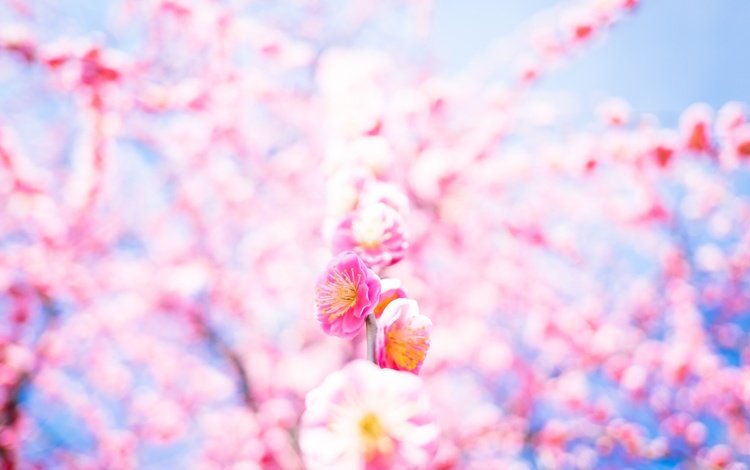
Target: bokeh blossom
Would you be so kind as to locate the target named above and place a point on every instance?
(364, 417)
(375, 232)
(345, 294)
(378, 191)
(403, 336)
(173, 174)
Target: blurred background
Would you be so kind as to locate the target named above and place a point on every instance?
(665, 58)
(572, 176)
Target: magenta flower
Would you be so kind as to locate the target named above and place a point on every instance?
(403, 336)
(346, 293)
(375, 232)
(363, 417)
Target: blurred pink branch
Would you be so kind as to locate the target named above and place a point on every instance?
(229, 355)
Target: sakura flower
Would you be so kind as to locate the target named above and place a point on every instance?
(390, 290)
(346, 293)
(403, 336)
(344, 187)
(363, 417)
(695, 124)
(740, 140)
(375, 232)
(374, 191)
(371, 152)
(730, 116)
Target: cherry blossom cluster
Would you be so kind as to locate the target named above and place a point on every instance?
(365, 242)
(165, 166)
(361, 417)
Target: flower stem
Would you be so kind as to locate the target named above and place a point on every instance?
(372, 329)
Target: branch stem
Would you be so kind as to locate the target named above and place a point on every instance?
(372, 329)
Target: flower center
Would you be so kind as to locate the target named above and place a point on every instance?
(347, 295)
(339, 294)
(373, 436)
(369, 229)
(405, 347)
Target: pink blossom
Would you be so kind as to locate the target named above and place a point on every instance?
(163, 227)
(375, 232)
(403, 336)
(390, 290)
(742, 141)
(730, 116)
(377, 191)
(695, 124)
(663, 148)
(615, 111)
(346, 293)
(369, 418)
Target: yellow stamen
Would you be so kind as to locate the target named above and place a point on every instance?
(339, 294)
(369, 229)
(406, 347)
(373, 436)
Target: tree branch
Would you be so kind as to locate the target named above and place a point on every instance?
(231, 356)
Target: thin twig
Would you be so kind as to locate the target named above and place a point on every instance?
(372, 329)
(231, 356)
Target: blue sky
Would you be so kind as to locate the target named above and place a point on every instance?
(669, 54)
